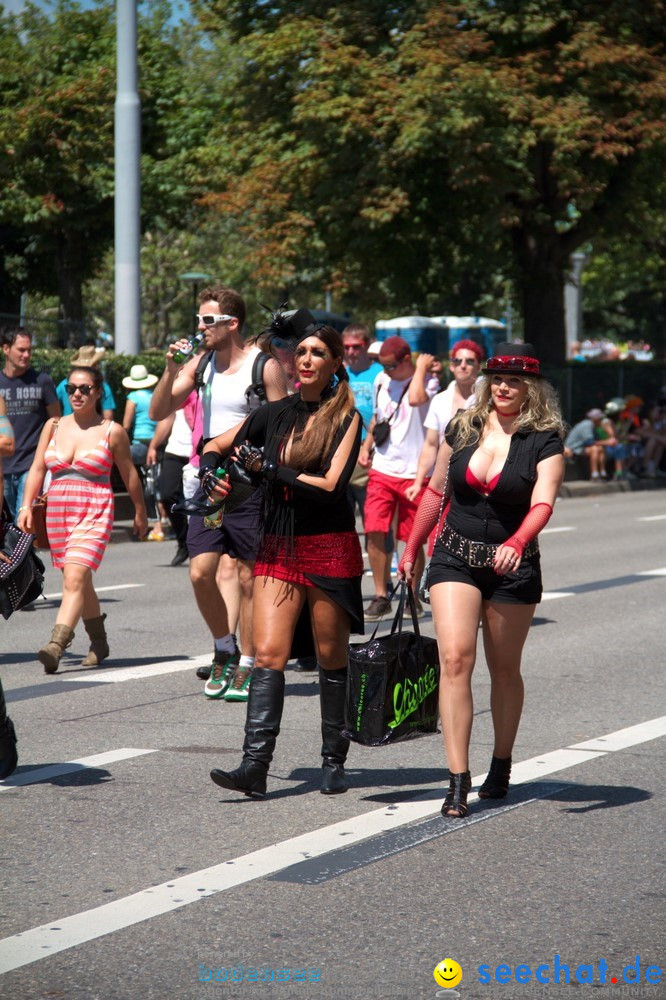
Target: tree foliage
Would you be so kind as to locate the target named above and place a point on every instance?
(57, 138)
(401, 153)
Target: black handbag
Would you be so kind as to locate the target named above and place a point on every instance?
(392, 684)
(22, 578)
(382, 429)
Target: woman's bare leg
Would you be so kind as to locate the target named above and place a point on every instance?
(505, 628)
(456, 608)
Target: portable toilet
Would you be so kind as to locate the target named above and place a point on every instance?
(488, 333)
(421, 333)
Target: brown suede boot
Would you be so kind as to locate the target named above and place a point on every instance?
(99, 646)
(50, 654)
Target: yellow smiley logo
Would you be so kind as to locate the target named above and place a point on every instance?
(448, 973)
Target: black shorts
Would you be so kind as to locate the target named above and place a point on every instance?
(238, 535)
(521, 587)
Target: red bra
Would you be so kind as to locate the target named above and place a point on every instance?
(476, 484)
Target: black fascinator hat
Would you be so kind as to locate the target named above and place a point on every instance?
(513, 359)
(290, 325)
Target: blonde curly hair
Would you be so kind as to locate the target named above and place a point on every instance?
(540, 411)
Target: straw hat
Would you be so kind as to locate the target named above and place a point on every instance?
(88, 355)
(139, 378)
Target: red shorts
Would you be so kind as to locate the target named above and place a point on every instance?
(385, 495)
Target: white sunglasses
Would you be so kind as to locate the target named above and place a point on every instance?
(210, 319)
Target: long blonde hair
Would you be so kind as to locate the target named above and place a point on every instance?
(540, 411)
(309, 451)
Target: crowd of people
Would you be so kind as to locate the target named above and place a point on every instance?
(267, 449)
(625, 440)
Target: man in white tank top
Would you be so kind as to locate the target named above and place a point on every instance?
(226, 400)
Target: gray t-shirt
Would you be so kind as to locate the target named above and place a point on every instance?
(26, 398)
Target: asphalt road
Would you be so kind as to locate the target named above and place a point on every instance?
(129, 874)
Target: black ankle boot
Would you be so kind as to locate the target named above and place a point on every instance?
(496, 784)
(262, 725)
(456, 798)
(8, 754)
(332, 691)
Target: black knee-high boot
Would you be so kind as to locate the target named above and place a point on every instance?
(264, 713)
(332, 690)
(8, 754)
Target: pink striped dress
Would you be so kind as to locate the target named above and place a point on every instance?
(79, 513)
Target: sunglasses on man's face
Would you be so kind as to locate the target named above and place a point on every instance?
(210, 319)
(85, 390)
(390, 368)
(470, 362)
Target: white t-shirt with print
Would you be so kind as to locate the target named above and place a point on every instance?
(441, 410)
(399, 455)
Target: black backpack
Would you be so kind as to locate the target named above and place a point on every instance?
(256, 386)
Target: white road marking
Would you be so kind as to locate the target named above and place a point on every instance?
(552, 595)
(58, 935)
(652, 572)
(111, 676)
(654, 517)
(550, 531)
(70, 766)
(101, 590)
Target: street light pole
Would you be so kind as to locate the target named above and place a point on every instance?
(127, 201)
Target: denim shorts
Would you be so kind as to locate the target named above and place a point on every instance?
(520, 587)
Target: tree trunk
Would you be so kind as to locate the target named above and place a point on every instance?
(69, 271)
(541, 265)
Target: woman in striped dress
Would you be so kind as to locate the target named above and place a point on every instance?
(79, 451)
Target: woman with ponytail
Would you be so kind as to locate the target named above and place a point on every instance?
(497, 474)
(79, 451)
(302, 451)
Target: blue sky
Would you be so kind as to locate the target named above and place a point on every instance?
(14, 6)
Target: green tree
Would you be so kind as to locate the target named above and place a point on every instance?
(405, 153)
(56, 139)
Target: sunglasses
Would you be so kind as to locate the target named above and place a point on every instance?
(463, 361)
(390, 368)
(85, 390)
(210, 319)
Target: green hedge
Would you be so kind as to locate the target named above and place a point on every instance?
(115, 367)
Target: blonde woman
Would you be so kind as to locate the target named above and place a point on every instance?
(302, 450)
(503, 460)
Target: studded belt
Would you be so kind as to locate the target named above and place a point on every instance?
(477, 554)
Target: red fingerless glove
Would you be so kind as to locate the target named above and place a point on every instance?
(536, 518)
(424, 522)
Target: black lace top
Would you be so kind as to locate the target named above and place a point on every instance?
(292, 507)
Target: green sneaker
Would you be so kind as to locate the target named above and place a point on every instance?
(222, 674)
(239, 689)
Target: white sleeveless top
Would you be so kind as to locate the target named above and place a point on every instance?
(180, 439)
(225, 399)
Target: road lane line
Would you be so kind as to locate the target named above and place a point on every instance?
(58, 935)
(652, 572)
(101, 590)
(70, 767)
(552, 531)
(655, 517)
(552, 595)
(111, 675)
